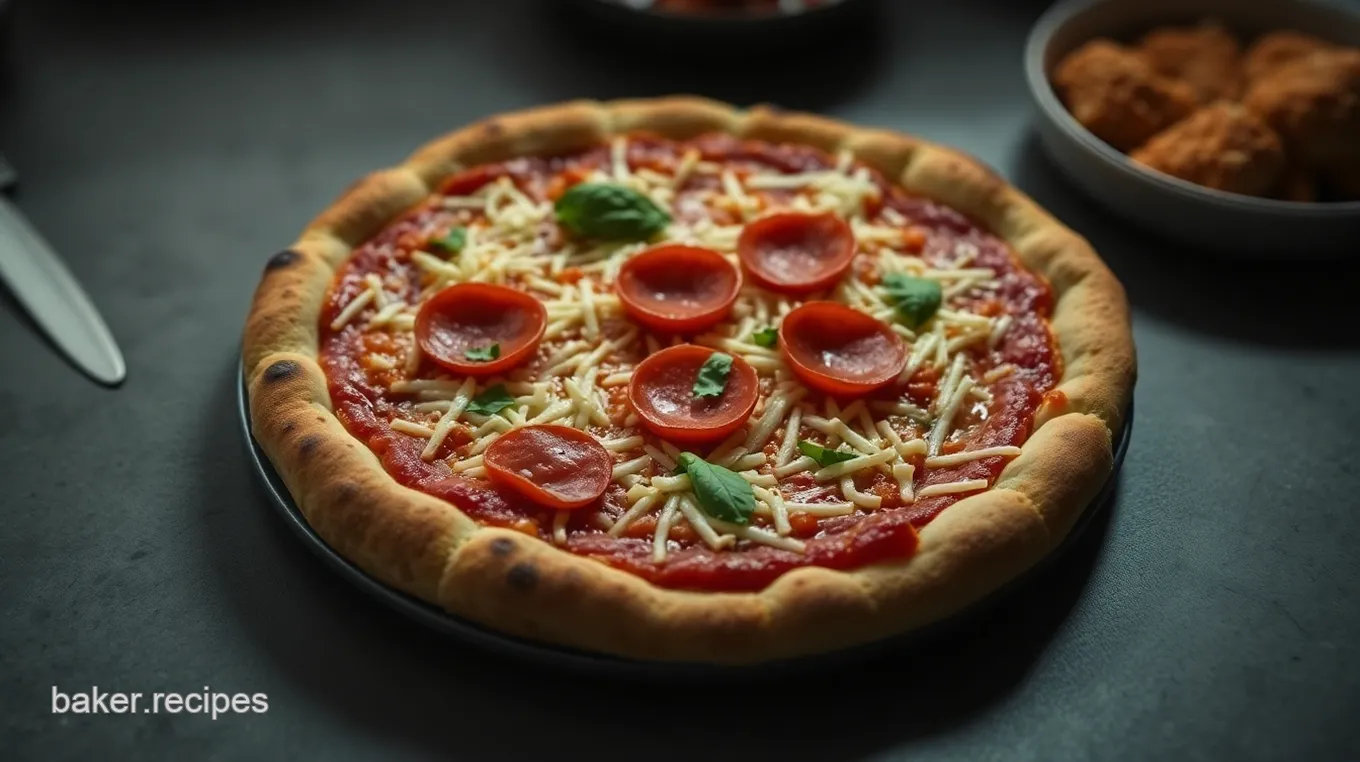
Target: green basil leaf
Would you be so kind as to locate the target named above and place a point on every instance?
(822, 455)
(610, 212)
(916, 299)
(721, 493)
(713, 375)
(766, 337)
(491, 401)
(451, 243)
(483, 354)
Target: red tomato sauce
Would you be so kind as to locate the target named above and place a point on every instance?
(366, 407)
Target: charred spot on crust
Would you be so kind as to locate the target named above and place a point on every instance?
(288, 427)
(309, 444)
(282, 259)
(502, 546)
(522, 577)
(346, 491)
(493, 128)
(281, 371)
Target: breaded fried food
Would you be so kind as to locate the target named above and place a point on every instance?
(1221, 146)
(1313, 103)
(1205, 56)
(1273, 51)
(1117, 96)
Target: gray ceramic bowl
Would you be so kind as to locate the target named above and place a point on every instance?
(1206, 219)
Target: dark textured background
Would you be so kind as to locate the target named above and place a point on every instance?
(1212, 615)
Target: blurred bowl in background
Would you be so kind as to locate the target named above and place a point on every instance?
(6, 13)
(651, 22)
(1226, 223)
(748, 10)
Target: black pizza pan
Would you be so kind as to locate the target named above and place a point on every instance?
(604, 664)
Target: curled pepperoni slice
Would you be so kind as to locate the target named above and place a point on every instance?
(662, 393)
(678, 289)
(796, 253)
(840, 351)
(479, 329)
(555, 466)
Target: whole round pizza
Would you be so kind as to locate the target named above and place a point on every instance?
(670, 380)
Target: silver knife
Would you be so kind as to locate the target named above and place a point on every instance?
(44, 286)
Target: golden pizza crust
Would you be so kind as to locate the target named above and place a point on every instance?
(523, 586)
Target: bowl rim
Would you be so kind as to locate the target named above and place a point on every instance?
(1036, 47)
(726, 18)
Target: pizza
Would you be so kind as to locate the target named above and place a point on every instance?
(669, 380)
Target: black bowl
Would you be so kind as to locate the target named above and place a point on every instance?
(723, 30)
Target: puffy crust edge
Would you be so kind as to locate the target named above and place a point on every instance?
(525, 587)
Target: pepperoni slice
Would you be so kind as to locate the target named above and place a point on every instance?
(840, 351)
(470, 181)
(678, 289)
(555, 466)
(480, 319)
(796, 253)
(662, 393)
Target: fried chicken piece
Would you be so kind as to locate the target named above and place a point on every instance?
(1207, 57)
(1117, 96)
(1295, 185)
(1272, 52)
(1313, 103)
(1221, 146)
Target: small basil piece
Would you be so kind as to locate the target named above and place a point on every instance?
(451, 243)
(721, 493)
(766, 337)
(610, 212)
(491, 401)
(483, 354)
(822, 455)
(713, 375)
(916, 299)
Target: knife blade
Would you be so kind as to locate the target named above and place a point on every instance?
(53, 298)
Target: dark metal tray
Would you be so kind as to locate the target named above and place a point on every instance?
(597, 663)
